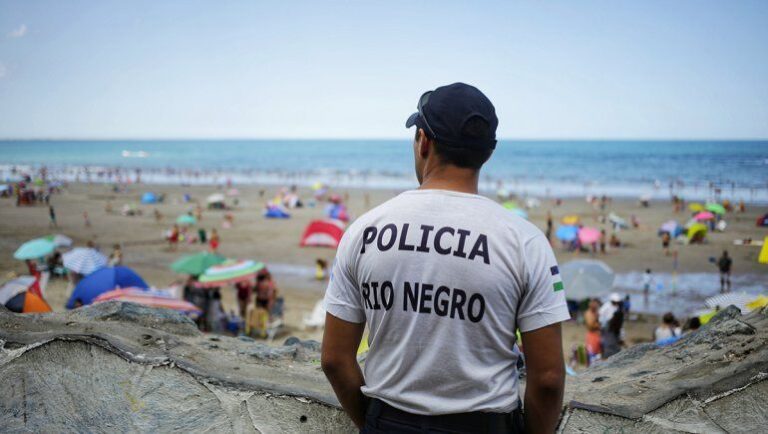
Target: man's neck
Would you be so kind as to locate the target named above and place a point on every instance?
(451, 178)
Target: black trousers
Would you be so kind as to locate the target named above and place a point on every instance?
(381, 418)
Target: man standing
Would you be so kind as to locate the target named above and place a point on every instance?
(724, 264)
(444, 277)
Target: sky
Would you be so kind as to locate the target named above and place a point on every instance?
(354, 69)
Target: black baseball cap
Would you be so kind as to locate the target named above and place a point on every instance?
(443, 114)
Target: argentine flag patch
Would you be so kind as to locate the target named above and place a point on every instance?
(558, 285)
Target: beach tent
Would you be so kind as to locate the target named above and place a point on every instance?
(586, 278)
(337, 211)
(567, 233)
(762, 221)
(18, 296)
(84, 260)
(763, 257)
(323, 233)
(196, 264)
(148, 198)
(149, 298)
(589, 235)
(276, 212)
(671, 227)
(186, 220)
(229, 272)
(696, 231)
(104, 280)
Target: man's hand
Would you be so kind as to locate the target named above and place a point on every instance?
(545, 379)
(339, 362)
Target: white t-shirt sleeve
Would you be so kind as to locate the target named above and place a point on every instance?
(342, 297)
(543, 298)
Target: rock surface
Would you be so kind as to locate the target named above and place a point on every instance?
(714, 380)
(118, 367)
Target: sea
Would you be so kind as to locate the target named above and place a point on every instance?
(695, 170)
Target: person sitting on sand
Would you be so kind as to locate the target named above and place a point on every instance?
(669, 330)
(158, 215)
(614, 241)
(116, 257)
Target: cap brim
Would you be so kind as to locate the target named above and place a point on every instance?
(412, 120)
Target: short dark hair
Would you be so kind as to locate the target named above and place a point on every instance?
(468, 158)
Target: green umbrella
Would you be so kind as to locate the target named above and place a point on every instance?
(34, 249)
(715, 208)
(186, 219)
(197, 264)
(510, 204)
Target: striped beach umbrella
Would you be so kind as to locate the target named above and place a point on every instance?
(197, 263)
(149, 298)
(229, 272)
(84, 260)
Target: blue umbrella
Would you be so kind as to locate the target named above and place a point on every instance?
(104, 280)
(567, 233)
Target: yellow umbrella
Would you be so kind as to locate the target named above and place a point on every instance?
(759, 302)
(704, 318)
(696, 207)
(763, 258)
(695, 228)
(570, 220)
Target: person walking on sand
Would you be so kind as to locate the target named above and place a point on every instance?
(724, 264)
(213, 241)
(647, 282)
(52, 215)
(444, 277)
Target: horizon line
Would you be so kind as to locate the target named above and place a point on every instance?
(541, 139)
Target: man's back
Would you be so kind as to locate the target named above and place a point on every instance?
(440, 277)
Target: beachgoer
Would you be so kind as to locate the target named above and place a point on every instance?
(436, 265)
(665, 239)
(603, 241)
(244, 292)
(592, 324)
(116, 257)
(612, 319)
(668, 330)
(86, 220)
(647, 282)
(724, 264)
(548, 232)
(321, 268)
(202, 235)
(108, 207)
(694, 323)
(614, 241)
(213, 241)
(173, 237)
(158, 215)
(52, 215)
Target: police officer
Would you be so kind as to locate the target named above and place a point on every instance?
(443, 277)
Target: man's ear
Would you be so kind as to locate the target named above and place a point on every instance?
(424, 144)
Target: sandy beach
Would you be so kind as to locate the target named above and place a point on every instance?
(276, 242)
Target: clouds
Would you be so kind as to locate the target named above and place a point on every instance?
(18, 32)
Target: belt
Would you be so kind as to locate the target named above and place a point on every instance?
(455, 422)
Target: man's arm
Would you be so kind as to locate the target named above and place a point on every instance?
(339, 362)
(545, 379)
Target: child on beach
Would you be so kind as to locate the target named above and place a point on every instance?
(86, 220)
(213, 242)
(173, 237)
(116, 257)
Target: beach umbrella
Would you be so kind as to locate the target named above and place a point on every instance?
(186, 220)
(567, 233)
(763, 256)
(337, 211)
(704, 215)
(229, 272)
(570, 220)
(104, 280)
(586, 278)
(323, 233)
(148, 198)
(617, 221)
(14, 287)
(215, 198)
(695, 207)
(149, 298)
(60, 240)
(532, 202)
(696, 229)
(34, 249)
(715, 208)
(84, 260)
(760, 302)
(196, 264)
(671, 227)
(520, 212)
(738, 299)
(589, 235)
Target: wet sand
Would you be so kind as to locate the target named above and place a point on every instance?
(276, 241)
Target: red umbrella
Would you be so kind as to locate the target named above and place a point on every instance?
(589, 235)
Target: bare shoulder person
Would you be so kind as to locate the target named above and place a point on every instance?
(443, 278)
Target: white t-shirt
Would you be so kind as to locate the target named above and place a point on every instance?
(440, 277)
